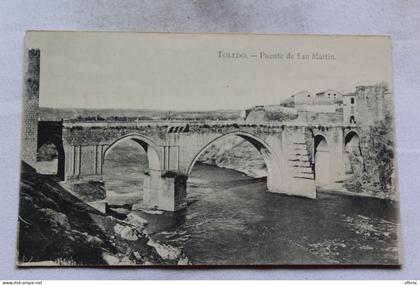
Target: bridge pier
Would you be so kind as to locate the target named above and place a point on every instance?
(280, 181)
(290, 171)
(166, 191)
(337, 152)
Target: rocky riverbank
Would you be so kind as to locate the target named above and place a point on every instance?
(57, 228)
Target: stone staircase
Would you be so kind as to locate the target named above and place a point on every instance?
(299, 158)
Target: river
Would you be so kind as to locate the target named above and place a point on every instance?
(232, 219)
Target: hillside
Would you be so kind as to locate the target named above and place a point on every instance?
(56, 228)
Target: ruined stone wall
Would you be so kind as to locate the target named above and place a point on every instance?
(370, 102)
(322, 118)
(31, 106)
(271, 113)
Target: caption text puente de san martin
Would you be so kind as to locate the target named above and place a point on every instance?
(263, 55)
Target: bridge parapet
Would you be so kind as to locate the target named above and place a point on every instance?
(160, 128)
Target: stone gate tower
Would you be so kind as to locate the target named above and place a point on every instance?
(31, 106)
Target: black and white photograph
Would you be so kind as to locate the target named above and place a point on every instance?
(183, 149)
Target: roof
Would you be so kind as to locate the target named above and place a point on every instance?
(327, 90)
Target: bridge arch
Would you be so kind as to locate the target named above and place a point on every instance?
(151, 149)
(352, 137)
(149, 174)
(58, 148)
(261, 145)
(353, 161)
(322, 159)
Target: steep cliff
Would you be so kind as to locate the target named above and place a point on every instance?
(375, 168)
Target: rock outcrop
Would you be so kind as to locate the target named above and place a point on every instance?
(57, 228)
(235, 153)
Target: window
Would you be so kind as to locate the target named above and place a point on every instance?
(309, 96)
(352, 120)
(352, 100)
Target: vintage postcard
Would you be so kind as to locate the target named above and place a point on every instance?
(207, 149)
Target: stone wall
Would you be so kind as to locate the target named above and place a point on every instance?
(271, 113)
(322, 118)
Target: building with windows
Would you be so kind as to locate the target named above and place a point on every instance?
(329, 96)
(349, 108)
(365, 106)
(304, 97)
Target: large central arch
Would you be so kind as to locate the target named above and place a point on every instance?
(257, 142)
(262, 146)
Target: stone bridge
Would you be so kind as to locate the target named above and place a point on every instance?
(298, 156)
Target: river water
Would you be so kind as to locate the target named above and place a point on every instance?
(232, 219)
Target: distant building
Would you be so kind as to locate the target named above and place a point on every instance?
(326, 97)
(365, 106)
(304, 97)
(329, 96)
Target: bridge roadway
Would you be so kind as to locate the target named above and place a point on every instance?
(297, 154)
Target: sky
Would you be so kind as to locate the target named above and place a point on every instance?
(197, 71)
